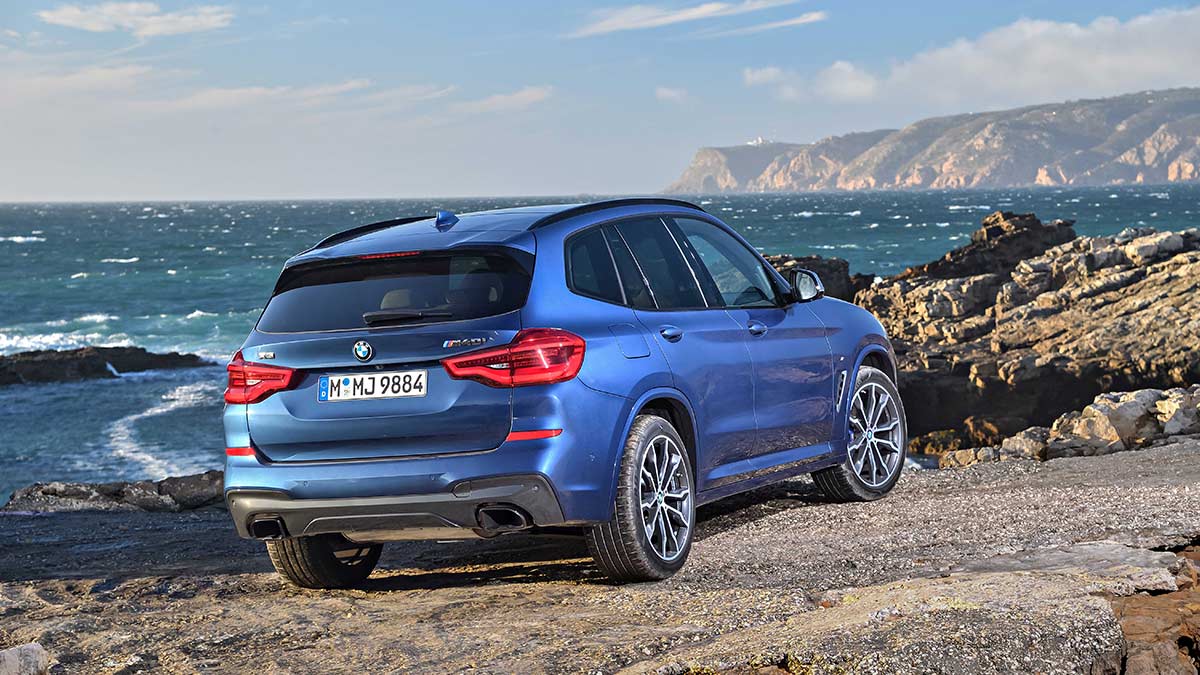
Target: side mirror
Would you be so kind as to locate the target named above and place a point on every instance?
(806, 285)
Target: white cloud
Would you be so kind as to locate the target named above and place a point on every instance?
(29, 87)
(806, 18)
(1027, 61)
(843, 81)
(142, 19)
(670, 95)
(640, 17)
(517, 100)
(753, 77)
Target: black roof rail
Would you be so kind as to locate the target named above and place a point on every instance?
(347, 235)
(609, 204)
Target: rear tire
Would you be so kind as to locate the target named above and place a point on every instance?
(323, 560)
(873, 446)
(650, 534)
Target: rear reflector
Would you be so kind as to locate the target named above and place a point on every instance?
(535, 356)
(253, 382)
(532, 435)
(239, 452)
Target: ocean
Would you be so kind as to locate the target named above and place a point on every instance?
(192, 277)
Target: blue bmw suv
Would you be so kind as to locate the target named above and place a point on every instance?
(601, 368)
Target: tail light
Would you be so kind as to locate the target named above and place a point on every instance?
(253, 382)
(535, 356)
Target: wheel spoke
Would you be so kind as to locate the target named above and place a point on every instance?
(888, 443)
(662, 528)
(890, 426)
(883, 403)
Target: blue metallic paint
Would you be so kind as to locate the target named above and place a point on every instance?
(760, 408)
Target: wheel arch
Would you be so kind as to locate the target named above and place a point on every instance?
(672, 405)
(877, 354)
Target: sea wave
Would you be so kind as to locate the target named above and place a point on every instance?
(11, 344)
(969, 207)
(120, 261)
(123, 438)
(19, 239)
(199, 313)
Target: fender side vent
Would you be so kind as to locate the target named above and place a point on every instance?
(841, 390)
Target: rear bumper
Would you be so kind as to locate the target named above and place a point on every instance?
(451, 514)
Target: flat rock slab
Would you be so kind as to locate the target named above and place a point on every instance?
(776, 576)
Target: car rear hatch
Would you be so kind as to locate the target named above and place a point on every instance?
(392, 318)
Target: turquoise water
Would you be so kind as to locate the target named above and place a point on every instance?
(192, 276)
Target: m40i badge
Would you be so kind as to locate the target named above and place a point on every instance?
(465, 342)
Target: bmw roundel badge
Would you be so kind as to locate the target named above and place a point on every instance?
(363, 351)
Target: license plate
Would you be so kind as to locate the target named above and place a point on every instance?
(360, 386)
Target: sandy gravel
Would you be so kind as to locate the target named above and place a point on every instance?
(923, 580)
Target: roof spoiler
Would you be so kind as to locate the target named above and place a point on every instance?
(610, 204)
(354, 232)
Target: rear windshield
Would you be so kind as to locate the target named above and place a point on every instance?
(417, 289)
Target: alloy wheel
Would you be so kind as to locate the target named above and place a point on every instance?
(875, 435)
(666, 498)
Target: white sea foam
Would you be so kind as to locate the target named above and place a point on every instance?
(199, 313)
(10, 344)
(98, 318)
(120, 261)
(122, 434)
(852, 213)
(19, 239)
(79, 275)
(969, 207)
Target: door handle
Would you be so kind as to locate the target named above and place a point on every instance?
(671, 333)
(756, 327)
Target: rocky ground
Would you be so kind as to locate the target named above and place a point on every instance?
(1018, 566)
(87, 363)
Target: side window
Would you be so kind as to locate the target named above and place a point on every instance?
(658, 256)
(738, 273)
(590, 268)
(637, 295)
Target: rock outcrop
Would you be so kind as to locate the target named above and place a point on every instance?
(1113, 422)
(184, 493)
(1015, 343)
(834, 273)
(1148, 137)
(87, 363)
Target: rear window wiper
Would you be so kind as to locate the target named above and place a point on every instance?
(382, 316)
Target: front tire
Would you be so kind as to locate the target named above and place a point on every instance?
(323, 560)
(878, 442)
(654, 515)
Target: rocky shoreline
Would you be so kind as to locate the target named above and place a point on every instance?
(88, 363)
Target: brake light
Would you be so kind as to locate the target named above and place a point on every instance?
(397, 254)
(253, 382)
(535, 356)
(239, 452)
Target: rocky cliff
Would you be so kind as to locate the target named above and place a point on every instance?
(990, 344)
(1148, 137)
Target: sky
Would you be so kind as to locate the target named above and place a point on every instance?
(266, 99)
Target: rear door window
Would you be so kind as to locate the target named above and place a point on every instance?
(418, 289)
(662, 263)
(590, 267)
